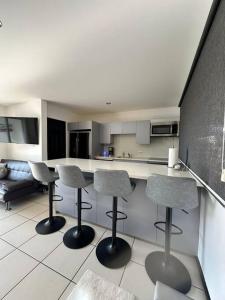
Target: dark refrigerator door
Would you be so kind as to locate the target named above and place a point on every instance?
(79, 144)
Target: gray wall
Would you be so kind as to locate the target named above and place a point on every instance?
(202, 109)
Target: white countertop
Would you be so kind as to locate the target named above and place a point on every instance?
(141, 159)
(135, 170)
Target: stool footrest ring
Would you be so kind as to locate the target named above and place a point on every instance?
(57, 198)
(88, 205)
(177, 230)
(110, 215)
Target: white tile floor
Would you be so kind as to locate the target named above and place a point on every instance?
(36, 266)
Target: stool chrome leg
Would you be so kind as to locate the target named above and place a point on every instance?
(113, 252)
(52, 223)
(166, 268)
(80, 235)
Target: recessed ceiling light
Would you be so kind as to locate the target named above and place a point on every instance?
(108, 103)
(1, 23)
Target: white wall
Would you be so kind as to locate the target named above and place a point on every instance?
(158, 147)
(40, 109)
(25, 151)
(63, 113)
(211, 252)
(143, 114)
(3, 147)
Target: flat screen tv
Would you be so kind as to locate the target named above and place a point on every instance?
(18, 130)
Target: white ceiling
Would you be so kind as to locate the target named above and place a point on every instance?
(135, 53)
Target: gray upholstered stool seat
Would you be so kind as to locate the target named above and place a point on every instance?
(164, 292)
(53, 223)
(113, 252)
(80, 235)
(171, 192)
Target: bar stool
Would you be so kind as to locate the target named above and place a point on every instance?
(113, 252)
(53, 223)
(80, 235)
(171, 192)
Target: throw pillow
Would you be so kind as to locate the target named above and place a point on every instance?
(3, 172)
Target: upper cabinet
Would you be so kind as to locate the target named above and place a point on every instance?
(116, 128)
(123, 127)
(129, 128)
(105, 134)
(85, 125)
(140, 128)
(143, 132)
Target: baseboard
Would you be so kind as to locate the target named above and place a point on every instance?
(203, 279)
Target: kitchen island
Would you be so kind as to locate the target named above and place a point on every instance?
(141, 211)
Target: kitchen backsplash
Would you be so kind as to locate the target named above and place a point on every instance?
(157, 148)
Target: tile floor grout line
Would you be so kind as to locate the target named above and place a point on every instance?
(18, 247)
(17, 213)
(13, 228)
(70, 280)
(64, 290)
(7, 254)
(1, 235)
(127, 263)
(42, 263)
(94, 247)
(57, 272)
(20, 281)
(39, 262)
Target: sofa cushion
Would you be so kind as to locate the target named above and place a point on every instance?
(18, 170)
(10, 186)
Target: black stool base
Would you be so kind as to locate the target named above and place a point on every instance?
(113, 257)
(173, 273)
(75, 239)
(50, 225)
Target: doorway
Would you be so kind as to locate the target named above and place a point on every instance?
(56, 135)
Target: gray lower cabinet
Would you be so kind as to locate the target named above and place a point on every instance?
(105, 134)
(142, 214)
(143, 132)
(189, 223)
(104, 204)
(68, 204)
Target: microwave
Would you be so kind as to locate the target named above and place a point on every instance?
(170, 128)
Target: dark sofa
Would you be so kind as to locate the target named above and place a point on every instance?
(18, 183)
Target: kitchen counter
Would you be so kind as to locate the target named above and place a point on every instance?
(141, 211)
(135, 170)
(149, 160)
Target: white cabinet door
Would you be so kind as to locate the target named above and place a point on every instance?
(143, 132)
(105, 134)
(116, 128)
(129, 127)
